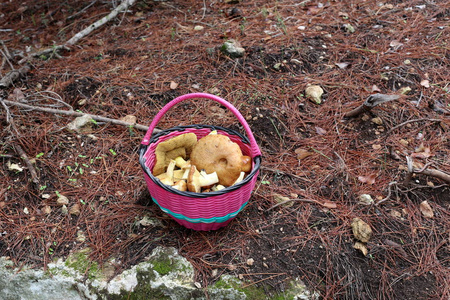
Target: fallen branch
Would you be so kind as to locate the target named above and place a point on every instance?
(13, 75)
(371, 102)
(122, 7)
(19, 150)
(83, 33)
(425, 171)
(78, 114)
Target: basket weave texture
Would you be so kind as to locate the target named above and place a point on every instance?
(200, 211)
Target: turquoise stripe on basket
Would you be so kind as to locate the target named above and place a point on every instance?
(201, 220)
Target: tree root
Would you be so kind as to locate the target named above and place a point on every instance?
(78, 114)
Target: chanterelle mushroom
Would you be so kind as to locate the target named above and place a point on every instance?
(217, 153)
(165, 151)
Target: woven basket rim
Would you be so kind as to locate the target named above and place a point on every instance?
(146, 169)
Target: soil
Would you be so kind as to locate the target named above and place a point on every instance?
(153, 53)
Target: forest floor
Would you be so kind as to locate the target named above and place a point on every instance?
(312, 155)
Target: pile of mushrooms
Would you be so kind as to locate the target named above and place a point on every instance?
(212, 163)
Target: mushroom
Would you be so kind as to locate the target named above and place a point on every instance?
(180, 185)
(217, 153)
(172, 148)
(197, 180)
(240, 178)
(246, 163)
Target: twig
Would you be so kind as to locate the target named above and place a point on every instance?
(411, 121)
(13, 75)
(82, 10)
(79, 114)
(27, 161)
(389, 193)
(425, 171)
(123, 6)
(19, 149)
(371, 102)
(78, 36)
(283, 173)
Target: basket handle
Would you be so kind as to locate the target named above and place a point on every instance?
(253, 145)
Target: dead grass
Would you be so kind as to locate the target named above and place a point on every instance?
(127, 69)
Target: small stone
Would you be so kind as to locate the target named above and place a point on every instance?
(81, 124)
(47, 210)
(361, 230)
(314, 93)
(26, 211)
(214, 272)
(64, 210)
(426, 209)
(365, 199)
(376, 147)
(395, 213)
(233, 49)
(250, 261)
(404, 142)
(361, 247)
(199, 28)
(80, 236)
(377, 121)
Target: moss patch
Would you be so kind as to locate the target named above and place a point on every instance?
(251, 292)
(81, 263)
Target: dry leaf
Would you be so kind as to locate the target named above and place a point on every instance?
(329, 204)
(375, 89)
(396, 44)
(426, 209)
(361, 230)
(361, 247)
(303, 153)
(14, 167)
(17, 95)
(173, 85)
(425, 83)
(404, 90)
(369, 179)
(320, 131)
(376, 147)
(283, 200)
(342, 65)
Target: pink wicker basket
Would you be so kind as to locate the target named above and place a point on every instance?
(200, 211)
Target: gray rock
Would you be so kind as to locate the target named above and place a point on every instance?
(164, 275)
(233, 49)
(81, 124)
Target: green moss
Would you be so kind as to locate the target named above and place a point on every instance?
(163, 266)
(252, 292)
(81, 263)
